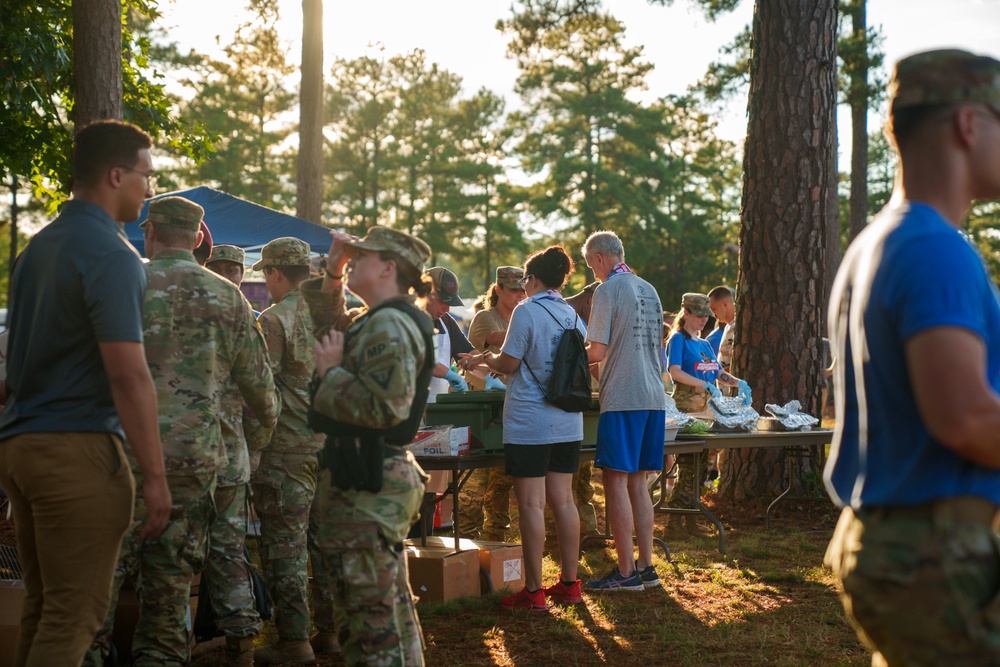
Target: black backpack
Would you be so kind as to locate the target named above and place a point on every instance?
(569, 384)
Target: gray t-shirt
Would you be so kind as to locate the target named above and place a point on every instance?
(532, 337)
(627, 317)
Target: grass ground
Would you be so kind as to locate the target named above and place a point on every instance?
(768, 601)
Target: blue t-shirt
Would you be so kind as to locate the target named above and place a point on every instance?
(78, 283)
(533, 336)
(715, 339)
(923, 274)
(694, 355)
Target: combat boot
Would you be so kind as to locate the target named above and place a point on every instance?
(692, 527)
(325, 643)
(675, 529)
(285, 653)
(239, 651)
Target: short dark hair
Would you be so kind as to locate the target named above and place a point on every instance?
(551, 266)
(103, 145)
(295, 274)
(720, 292)
(175, 237)
(904, 123)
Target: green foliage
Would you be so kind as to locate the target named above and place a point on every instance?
(983, 226)
(408, 151)
(36, 82)
(241, 100)
(655, 174)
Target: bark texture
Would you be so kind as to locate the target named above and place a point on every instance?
(309, 184)
(789, 196)
(97, 60)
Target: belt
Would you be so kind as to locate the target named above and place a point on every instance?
(967, 509)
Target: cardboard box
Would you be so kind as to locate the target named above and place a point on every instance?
(504, 562)
(11, 603)
(444, 440)
(441, 575)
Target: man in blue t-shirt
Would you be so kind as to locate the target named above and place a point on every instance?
(77, 386)
(915, 329)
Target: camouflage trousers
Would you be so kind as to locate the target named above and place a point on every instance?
(921, 584)
(322, 587)
(360, 538)
(484, 505)
(283, 489)
(161, 571)
(226, 574)
(688, 399)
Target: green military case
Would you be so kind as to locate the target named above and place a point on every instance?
(482, 412)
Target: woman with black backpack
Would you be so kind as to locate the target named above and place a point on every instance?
(541, 440)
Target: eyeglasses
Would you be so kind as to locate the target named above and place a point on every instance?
(524, 281)
(150, 175)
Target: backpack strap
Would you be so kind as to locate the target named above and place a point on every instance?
(525, 360)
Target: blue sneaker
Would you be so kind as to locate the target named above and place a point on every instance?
(649, 577)
(616, 581)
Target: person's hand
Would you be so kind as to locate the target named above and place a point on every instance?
(337, 258)
(456, 381)
(712, 389)
(467, 360)
(156, 495)
(494, 384)
(329, 352)
(743, 389)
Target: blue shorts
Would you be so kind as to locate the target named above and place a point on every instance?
(630, 441)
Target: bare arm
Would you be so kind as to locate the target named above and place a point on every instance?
(961, 411)
(596, 352)
(502, 363)
(135, 400)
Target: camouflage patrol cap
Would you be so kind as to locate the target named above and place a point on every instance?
(947, 76)
(445, 284)
(176, 212)
(697, 304)
(284, 251)
(509, 276)
(409, 247)
(228, 253)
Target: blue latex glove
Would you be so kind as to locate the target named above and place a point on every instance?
(456, 381)
(494, 384)
(743, 389)
(712, 389)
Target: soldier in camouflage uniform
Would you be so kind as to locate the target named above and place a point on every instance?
(199, 332)
(375, 383)
(226, 576)
(485, 498)
(285, 481)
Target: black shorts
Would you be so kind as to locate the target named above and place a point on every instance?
(539, 460)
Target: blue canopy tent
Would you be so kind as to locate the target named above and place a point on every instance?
(241, 223)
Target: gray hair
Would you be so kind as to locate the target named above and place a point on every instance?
(605, 243)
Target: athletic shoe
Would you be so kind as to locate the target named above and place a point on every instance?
(616, 581)
(525, 600)
(649, 577)
(563, 594)
(710, 480)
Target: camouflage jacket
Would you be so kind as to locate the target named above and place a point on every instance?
(376, 383)
(290, 342)
(199, 333)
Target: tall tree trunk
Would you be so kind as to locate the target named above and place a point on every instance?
(785, 214)
(97, 60)
(859, 122)
(14, 210)
(309, 185)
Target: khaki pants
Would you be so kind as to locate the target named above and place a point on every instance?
(72, 496)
